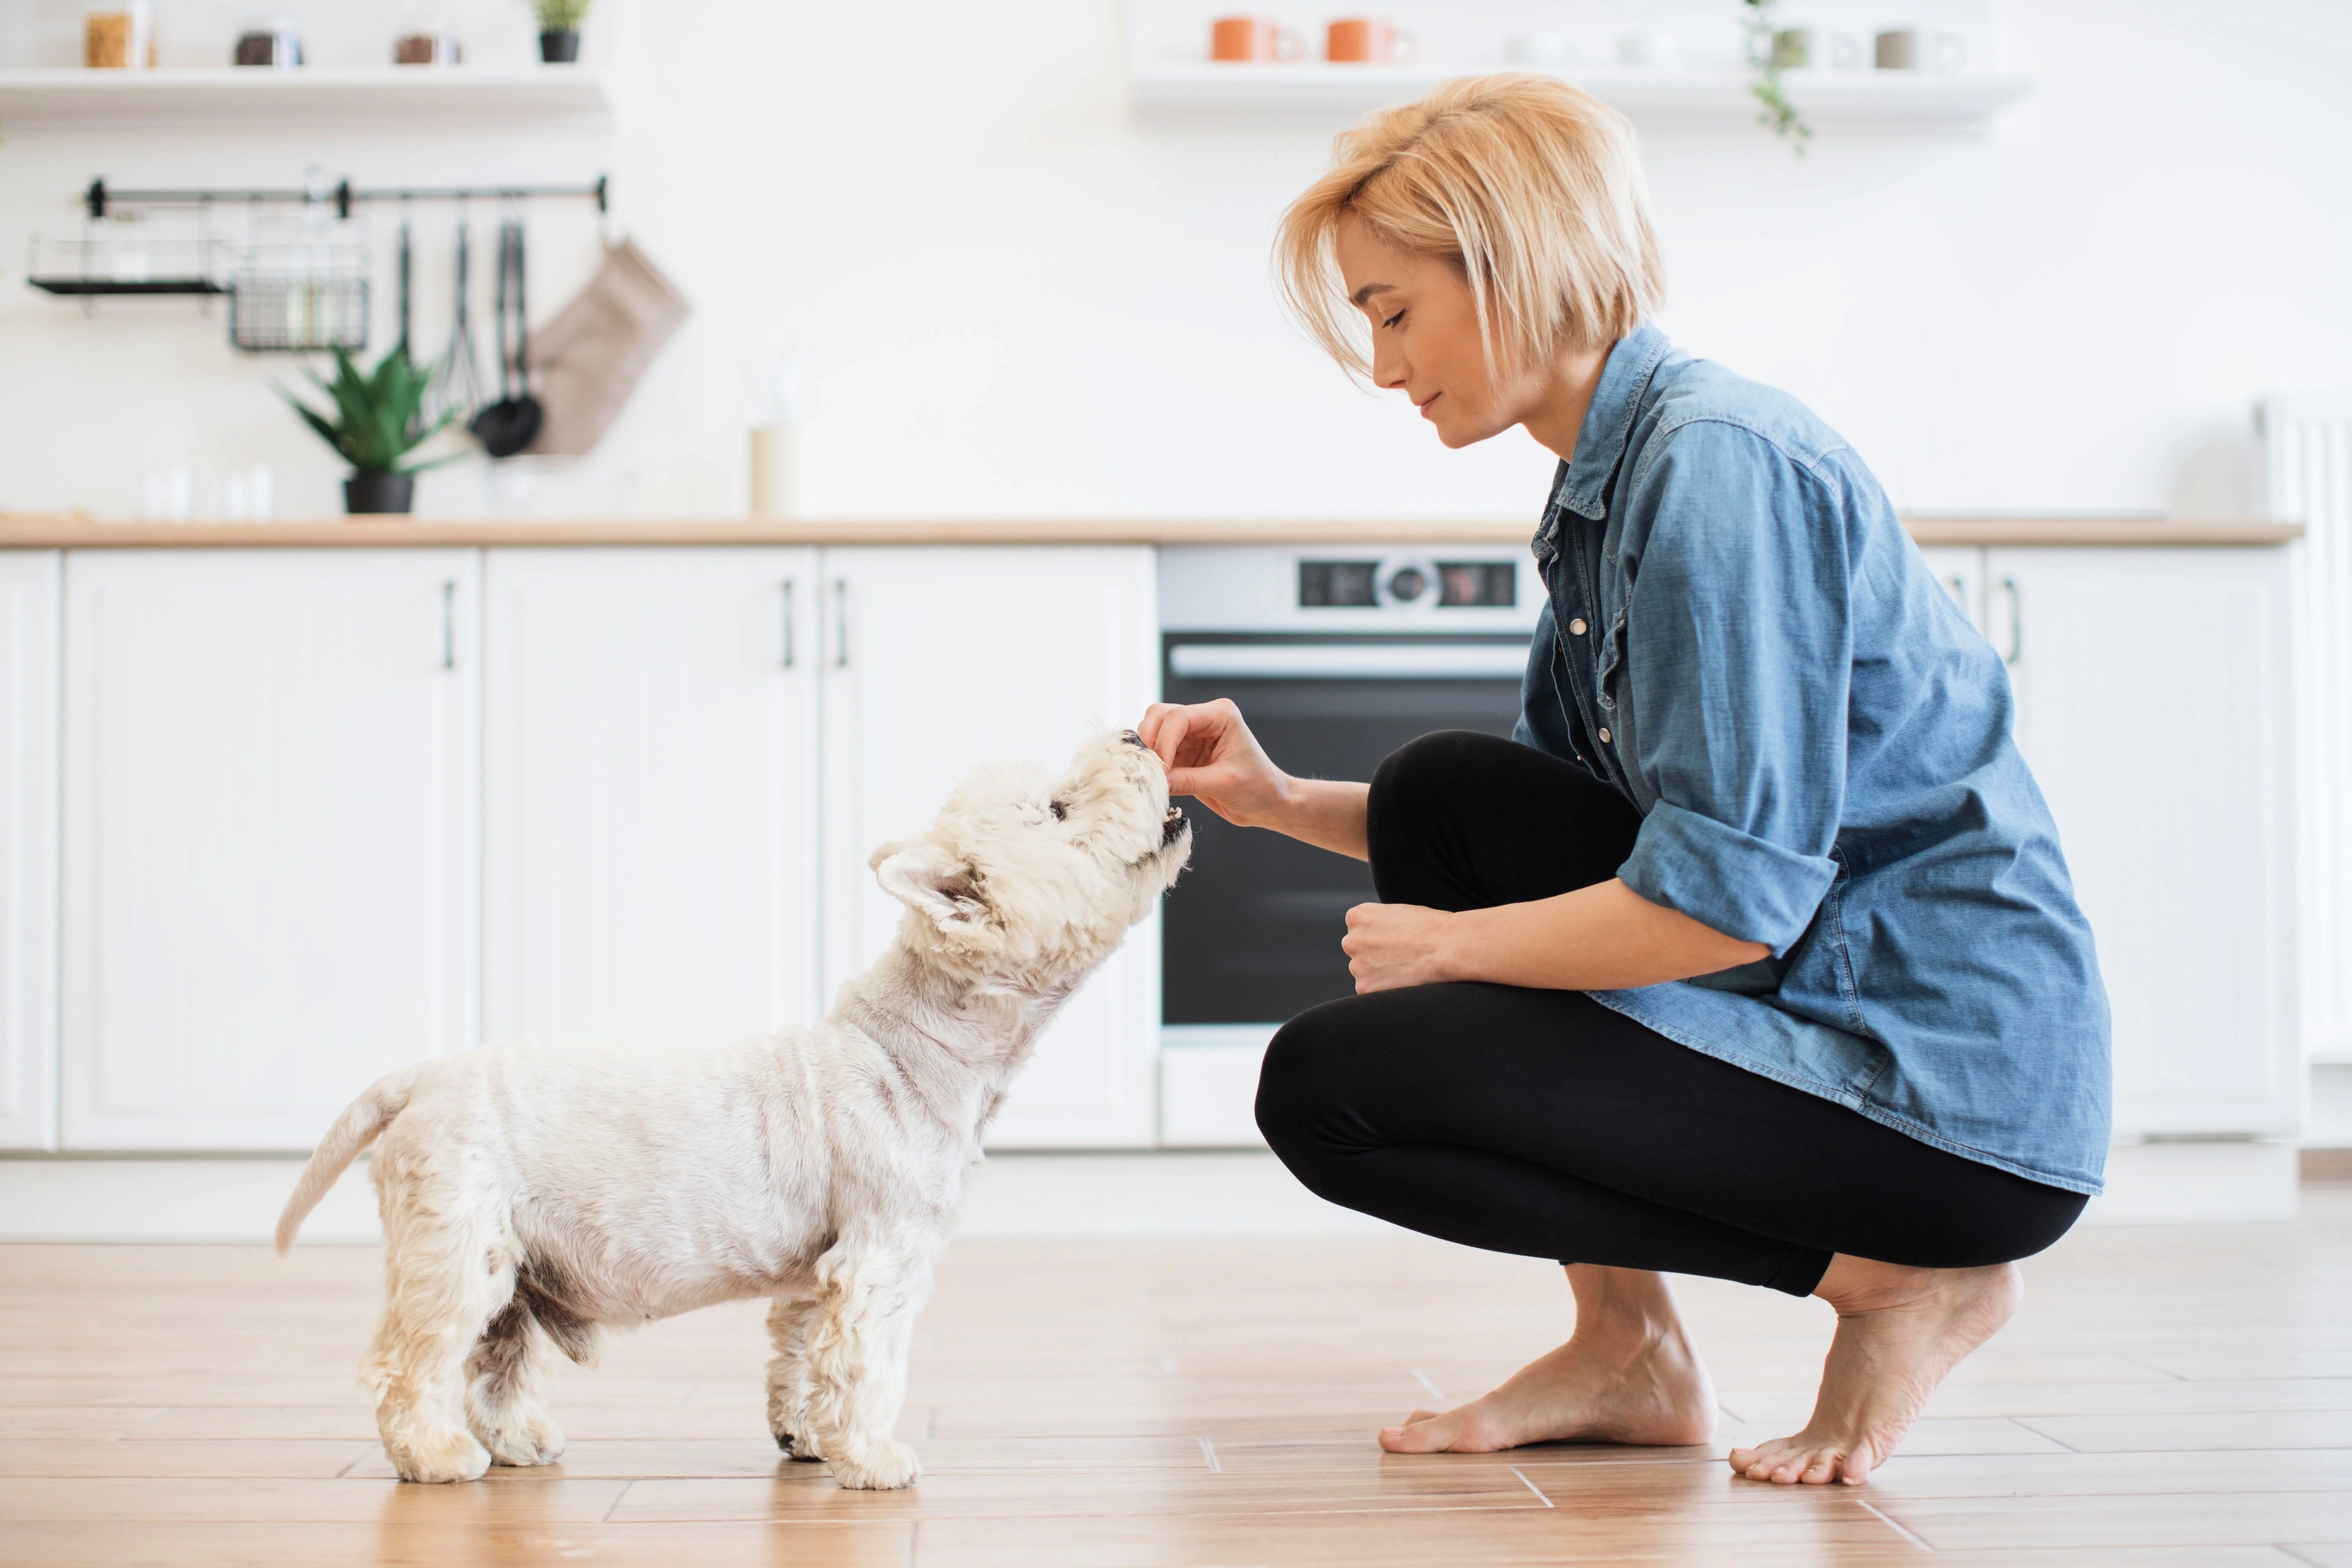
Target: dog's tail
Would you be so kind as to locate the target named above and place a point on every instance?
(354, 1130)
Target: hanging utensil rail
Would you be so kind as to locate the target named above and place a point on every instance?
(345, 196)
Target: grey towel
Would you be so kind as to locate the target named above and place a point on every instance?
(588, 360)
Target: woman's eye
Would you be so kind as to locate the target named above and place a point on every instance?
(1392, 321)
(1061, 813)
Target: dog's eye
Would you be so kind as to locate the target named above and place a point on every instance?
(1061, 813)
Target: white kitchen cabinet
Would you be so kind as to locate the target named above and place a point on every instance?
(1959, 569)
(2153, 704)
(651, 827)
(936, 659)
(271, 884)
(29, 680)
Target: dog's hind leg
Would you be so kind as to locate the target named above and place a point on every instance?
(448, 1273)
(789, 1321)
(502, 1402)
(857, 1361)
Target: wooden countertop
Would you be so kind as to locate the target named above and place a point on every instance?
(28, 530)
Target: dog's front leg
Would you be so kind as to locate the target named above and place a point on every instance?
(790, 1317)
(857, 1361)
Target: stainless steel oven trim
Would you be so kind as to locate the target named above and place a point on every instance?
(1348, 661)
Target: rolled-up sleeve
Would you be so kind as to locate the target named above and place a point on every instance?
(1739, 649)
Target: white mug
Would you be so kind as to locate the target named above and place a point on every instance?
(1908, 48)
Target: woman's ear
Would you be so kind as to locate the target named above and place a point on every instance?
(926, 877)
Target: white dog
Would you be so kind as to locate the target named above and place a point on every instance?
(532, 1193)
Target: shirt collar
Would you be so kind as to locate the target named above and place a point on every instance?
(1609, 421)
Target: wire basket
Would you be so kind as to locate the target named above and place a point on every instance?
(131, 262)
(275, 312)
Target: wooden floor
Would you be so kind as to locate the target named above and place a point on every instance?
(2166, 1396)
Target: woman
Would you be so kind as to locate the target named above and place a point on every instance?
(1752, 953)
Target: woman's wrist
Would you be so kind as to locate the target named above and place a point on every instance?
(1457, 945)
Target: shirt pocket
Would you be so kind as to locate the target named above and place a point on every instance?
(1612, 662)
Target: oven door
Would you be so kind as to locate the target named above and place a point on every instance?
(1251, 933)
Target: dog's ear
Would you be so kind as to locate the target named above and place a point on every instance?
(926, 877)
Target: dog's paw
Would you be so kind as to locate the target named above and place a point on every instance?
(880, 1467)
(535, 1439)
(456, 1458)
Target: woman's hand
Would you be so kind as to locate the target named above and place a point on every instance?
(1394, 945)
(1212, 756)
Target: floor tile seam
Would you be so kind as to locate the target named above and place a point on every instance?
(1897, 1525)
(1512, 1504)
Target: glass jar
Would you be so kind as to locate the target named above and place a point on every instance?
(122, 38)
(433, 45)
(276, 43)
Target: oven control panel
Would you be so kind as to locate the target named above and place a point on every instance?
(1421, 589)
(1406, 581)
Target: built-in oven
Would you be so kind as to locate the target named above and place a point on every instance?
(1336, 656)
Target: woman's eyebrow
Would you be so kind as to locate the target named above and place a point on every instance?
(1369, 289)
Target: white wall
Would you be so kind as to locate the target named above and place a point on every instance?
(1020, 300)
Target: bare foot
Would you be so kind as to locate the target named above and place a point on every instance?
(1899, 1331)
(1600, 1387)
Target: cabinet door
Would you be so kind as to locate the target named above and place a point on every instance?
(939, 658)
(1960, 568)
(2152, 703)
(650, 844)
(271, 875)
(28, 850)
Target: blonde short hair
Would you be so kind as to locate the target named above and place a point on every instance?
(1527, 185)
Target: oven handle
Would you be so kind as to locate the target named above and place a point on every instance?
(1350, 661)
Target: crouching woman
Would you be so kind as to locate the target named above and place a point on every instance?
(1752, 953)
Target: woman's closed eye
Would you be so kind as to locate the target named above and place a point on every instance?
(1392, 321)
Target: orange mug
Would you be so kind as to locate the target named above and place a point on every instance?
(1368, 40)
(1253, 38)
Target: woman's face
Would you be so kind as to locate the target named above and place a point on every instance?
(1425, 337)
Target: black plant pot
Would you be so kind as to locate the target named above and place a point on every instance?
(560, 47)
(373, 493)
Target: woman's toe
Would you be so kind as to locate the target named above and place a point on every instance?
(1822, 1470)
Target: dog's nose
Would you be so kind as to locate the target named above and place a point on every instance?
(1171, 826)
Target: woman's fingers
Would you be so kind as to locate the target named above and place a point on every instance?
(1394, 945)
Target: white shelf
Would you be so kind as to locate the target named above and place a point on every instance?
(1824, 97)
(35, 99)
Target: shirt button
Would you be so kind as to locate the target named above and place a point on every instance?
(1576, 628)
(1604, 737)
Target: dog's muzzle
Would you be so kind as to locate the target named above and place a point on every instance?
(1171, 826)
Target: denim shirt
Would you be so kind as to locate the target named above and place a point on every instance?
(1741, 638)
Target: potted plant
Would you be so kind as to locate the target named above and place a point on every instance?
(559, 29)
(378, 419)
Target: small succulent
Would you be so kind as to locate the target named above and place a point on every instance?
(379, 415)
(560, 15)
(1758, 18)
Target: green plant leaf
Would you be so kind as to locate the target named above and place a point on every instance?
(378, 414)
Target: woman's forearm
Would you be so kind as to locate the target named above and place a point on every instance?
(1326, 813)
(1603, 937)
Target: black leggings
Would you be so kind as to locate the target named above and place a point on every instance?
(1540, 1122)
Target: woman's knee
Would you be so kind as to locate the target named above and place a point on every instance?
(1427, 771)
(1297, 1084)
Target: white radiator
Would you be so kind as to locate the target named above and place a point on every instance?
(2309, 441)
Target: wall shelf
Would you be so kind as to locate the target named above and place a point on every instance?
(89, 100)
(1824, 98)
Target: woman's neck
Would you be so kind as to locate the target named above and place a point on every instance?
(1563, 392)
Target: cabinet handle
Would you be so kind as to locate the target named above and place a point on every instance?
(449, 624)
(791, 636)
(840, 623)
(2016, 620)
